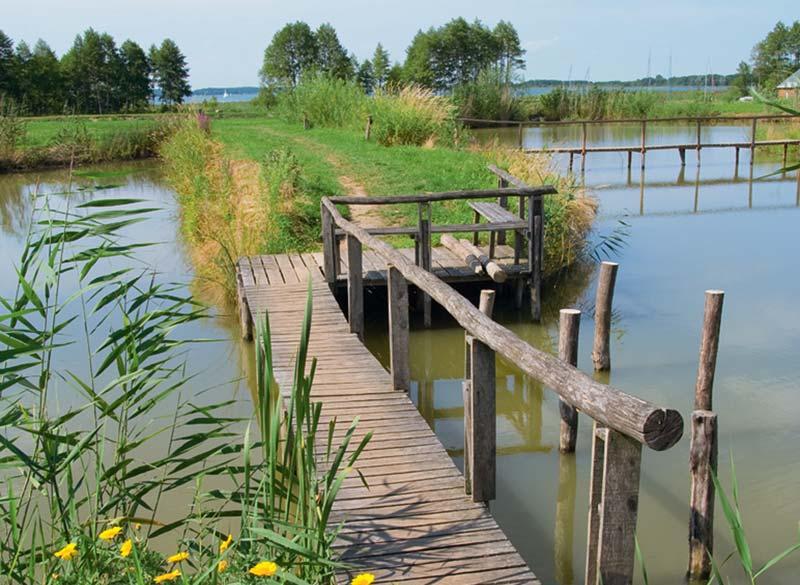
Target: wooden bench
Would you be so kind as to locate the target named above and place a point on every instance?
(495, 213)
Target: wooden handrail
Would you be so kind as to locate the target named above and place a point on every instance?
(444, 196)
(658, 428)
(631, 120)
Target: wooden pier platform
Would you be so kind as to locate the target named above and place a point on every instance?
(414, 525)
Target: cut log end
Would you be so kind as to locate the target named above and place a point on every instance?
(663, 429)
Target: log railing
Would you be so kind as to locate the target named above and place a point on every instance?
(623, 423)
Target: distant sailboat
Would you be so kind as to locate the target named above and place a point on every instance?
(225, 94)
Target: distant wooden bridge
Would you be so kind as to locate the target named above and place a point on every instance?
(421, 521)
(583, 149)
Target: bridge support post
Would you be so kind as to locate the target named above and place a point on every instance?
(480, 443)
(398, 329)
(245, 317)
(535, 246)
(753, 142)
(329, 246)
(569, 328)
(503, 202)
(355, 287)
(613, 508)
(702, 465)
(630, 159)
(682, 154)
(601, 351)
(425, 255)
(736, 162)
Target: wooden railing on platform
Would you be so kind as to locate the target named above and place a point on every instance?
(643, 147)
(623, 423)
(530, 197)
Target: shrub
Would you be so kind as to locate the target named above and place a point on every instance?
(489, 98)
(412, 115)
(12, 131)
(325, 101)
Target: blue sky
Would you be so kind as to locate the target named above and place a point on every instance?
(224, 40)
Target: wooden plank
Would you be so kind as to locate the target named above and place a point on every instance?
(398, 330)
(355, 287)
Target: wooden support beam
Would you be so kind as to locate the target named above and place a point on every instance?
(703, 452)
(483, 444)
(599, 437)
(398, 329)
(644, 140)
(519, 136)
(709, 346)
(425, 254)
(355, 287)
(698, 144)
(502, 200)
(571, 160)
(569, 329)
(682, 154)
(630, 158)
(601, 350)
(736, 163)
(619, 509)
(535, 254)
(245, 317)
(753, 142)
(330, 246)
(583, 147)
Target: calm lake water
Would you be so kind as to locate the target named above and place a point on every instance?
(688, 231)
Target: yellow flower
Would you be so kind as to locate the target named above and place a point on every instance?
(67, 552)
(126, 548)
(177, 558)
(110, 533)
(171, 576)
(223, 546)
(221, 566)
(363, 579)
(264, 569)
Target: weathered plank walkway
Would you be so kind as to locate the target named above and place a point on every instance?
(294, 268)
(414, 524)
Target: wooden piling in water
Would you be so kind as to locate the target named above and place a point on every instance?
(709, 346)
(425, 254)
(703, 453)
(736, 161)
(571, 160)
(630, 159)
(601, 350)
(569, 329)
(535, 254)
(480, 413)
(753, 142)
(682, 154)
(644, 140)
(398, 329)
(245, 317)
(699, 131)
(583, 147)
(355, 287)
(519, 136)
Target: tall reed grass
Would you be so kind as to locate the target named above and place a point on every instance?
(413, 115)
(89, 459)
(324, 101)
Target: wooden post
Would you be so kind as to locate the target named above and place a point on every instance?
(599, 437)
(564, 537)
(503, 202)
(519, 135)
(571, 160)
(398, 329)
(482, 415)
(425, 254)
(355, 288)
(709, 345)
(535, 245)
(583, 147)
(329, 246)
(737, 158)
(785, 154)
(682, 154)
(569, 328)
(368, 129)
(698, 146)
(644, 139)
(306, 122)
(245, 317)
(619, 509)
(702, 465)
(753, 142)
(601, 352)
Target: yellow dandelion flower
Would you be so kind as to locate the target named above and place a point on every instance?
(178, 557)
(264, 569)
(223, 546)
(55, 576)
(110, 533)
(222, 566)
(171, 576)
(67, 552)
(126, 548)
(363, 579)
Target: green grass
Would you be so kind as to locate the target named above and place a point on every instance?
(40, 132)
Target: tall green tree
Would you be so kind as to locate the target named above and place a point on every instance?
(170, 72)
(777, 56)
(8, 85)
(744, 79)
(91, 69)
(332, 58)
(365, 77)
(135, 80)
(419, 56)
(42, 84)
(509, 50)
(380, 66)
(291, 53)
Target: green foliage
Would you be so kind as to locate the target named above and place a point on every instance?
(136, 91)
(170, 72)
(7, 67)
(412, 116)
(325, 100)
(597, 104)
(777, 56)
(12, 129)
(455, 54)
(332, 59)
(489, 97)
(291, 53)
(365, 77)
(129, 434)
(380, 66)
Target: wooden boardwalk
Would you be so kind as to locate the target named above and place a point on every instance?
(279, 269)
(414, 524)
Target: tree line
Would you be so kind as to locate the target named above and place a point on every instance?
(773, 59)
(441, 58)
(95, 76)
